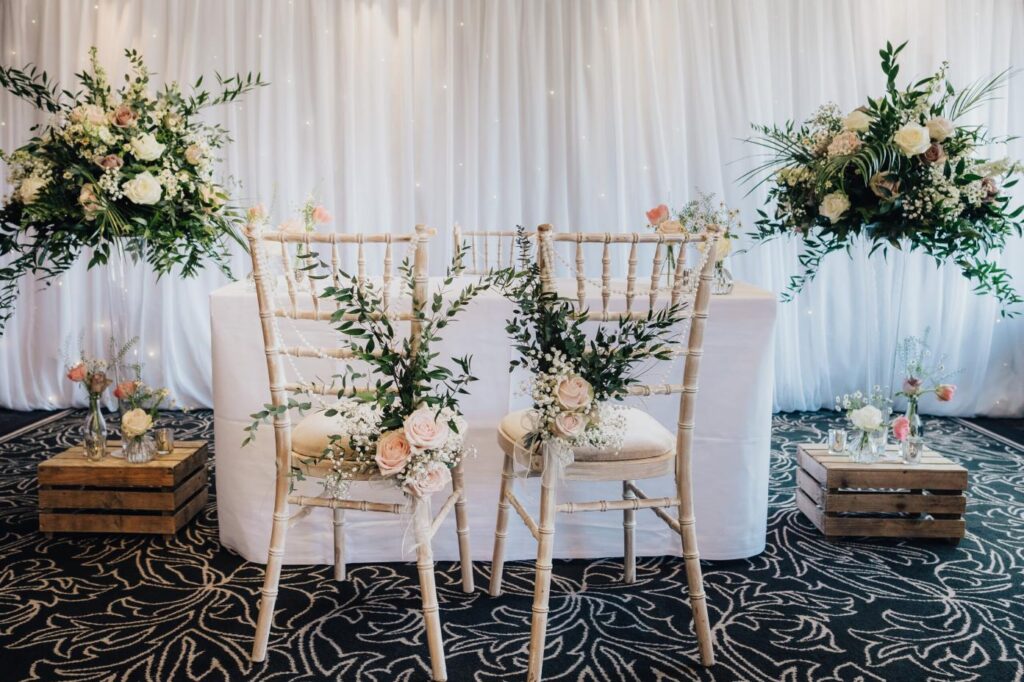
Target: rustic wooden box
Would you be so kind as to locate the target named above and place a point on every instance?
(112, 496)
(881, 499)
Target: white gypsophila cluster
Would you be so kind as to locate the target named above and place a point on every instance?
(994, 168)
(941, 196)
(823, 125)
(851, 402)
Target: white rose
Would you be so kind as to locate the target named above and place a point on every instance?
(143, 189)
(29, 190)
(912, 139)
(834, 205)
(569, 425)
(867, 418)
(857, 121)
(194, 154)
(146, 148)
(135, 422)
(424, 431)
(940, 128)
(103, 132)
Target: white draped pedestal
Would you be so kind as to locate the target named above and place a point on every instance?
(731, 450)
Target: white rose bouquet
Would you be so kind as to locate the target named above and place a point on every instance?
(115, 168)
(905, 171)
(867, 413)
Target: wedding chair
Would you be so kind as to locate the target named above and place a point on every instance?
(648, 449)
(302, 445)
(494, 249)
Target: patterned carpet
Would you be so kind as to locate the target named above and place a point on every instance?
(135, 609)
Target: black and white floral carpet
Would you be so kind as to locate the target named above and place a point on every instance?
(132, 608)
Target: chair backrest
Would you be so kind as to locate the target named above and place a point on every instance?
(486, 249)
(304, 261)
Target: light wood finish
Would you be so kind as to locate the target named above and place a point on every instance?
(694, 303)
(280, 386)
(113, 496)
(488, 250)
(881, 499)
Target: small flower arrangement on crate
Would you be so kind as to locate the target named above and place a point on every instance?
(91, 373)
(924, 375)
(868, 414)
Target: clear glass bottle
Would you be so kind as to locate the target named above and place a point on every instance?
(94, 432)
(721, 282)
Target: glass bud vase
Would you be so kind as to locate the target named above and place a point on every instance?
(139, 450)
(863, 446)
(94, 432)
(721, 282)
(916, 428)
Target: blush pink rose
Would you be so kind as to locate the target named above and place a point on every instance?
(109, 162)
(124, 389)
(935, 153)
(429, 481)
(393, 452)
(77, 373)
(658, 214)
(123, 116)
(320, 215)
(944, 392)
(424, 431)
(911, 386)
(574, 393)
(900, 428)
(569, 425)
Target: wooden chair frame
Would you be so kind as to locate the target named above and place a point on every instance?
(627, 471)
(485, 238)
(424, 525)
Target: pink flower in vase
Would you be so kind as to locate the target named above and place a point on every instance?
(911, 386)
(77, 373)
(901, 428)
(944, 392)
(320, 215)
(658, 214)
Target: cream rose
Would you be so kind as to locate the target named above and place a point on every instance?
(429, 481)
(135, 422)
(194, 154)
(424, 431)
(670, 227)
(939, 128)
(834, 205)
(574, 393)
(569, 425)
(30, 188)
(857, 120)
(393, 452)
(867, 418)
(146, 148)
(143, 189)
(912, 139)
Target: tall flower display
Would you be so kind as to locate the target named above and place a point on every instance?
(905, 171)
(125, 168)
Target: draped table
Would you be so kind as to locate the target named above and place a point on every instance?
(732, 443)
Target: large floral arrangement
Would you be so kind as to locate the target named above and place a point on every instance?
(576, 376)
(111, 168)
(905, 170)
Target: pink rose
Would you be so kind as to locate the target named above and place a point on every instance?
(393, 452)
(911, 386)
(320, 215)
(124, 389)
(944, 392)
(901, 428)
(109, 162)
(429, 481)
(658, 214)
(424, 431)
(569, 425)
(935, 153)
(77, 373)
(123, 116)
(574, 393)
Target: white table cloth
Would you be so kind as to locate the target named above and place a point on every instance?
(731, 452)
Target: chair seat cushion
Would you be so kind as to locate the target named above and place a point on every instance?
(312, 435)
(644, 438)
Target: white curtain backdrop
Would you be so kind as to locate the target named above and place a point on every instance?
(492, 113)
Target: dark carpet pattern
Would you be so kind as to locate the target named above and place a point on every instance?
(138, 609)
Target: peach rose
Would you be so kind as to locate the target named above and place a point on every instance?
(900, 428)
(424, 431)
(429, 481)
(670, 227)
(393, 452)
(658, 214)
(320, 215)
(944, 392)
(124, 389)
(77, 373)
(574, 393)
(569, 425)
(123, 116)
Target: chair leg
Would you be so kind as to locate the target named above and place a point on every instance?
(542, 581)
(271, 580)
(628, 526)
(694, 577)
(428, 591)
(462, 528)
(339, 544)
(501, 527)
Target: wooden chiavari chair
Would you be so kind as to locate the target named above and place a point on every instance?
(303, 444)
(487, 250)
(648, 451)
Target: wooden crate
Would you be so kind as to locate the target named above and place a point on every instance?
(881, 499)
(113, 496)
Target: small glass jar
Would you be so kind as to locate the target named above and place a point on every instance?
(164, 438)
(836, 441)
(864, 446)
(877, 441)
(913, 449)
(139, 450)
(721, 281)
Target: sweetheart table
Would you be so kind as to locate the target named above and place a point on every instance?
(732, 443)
